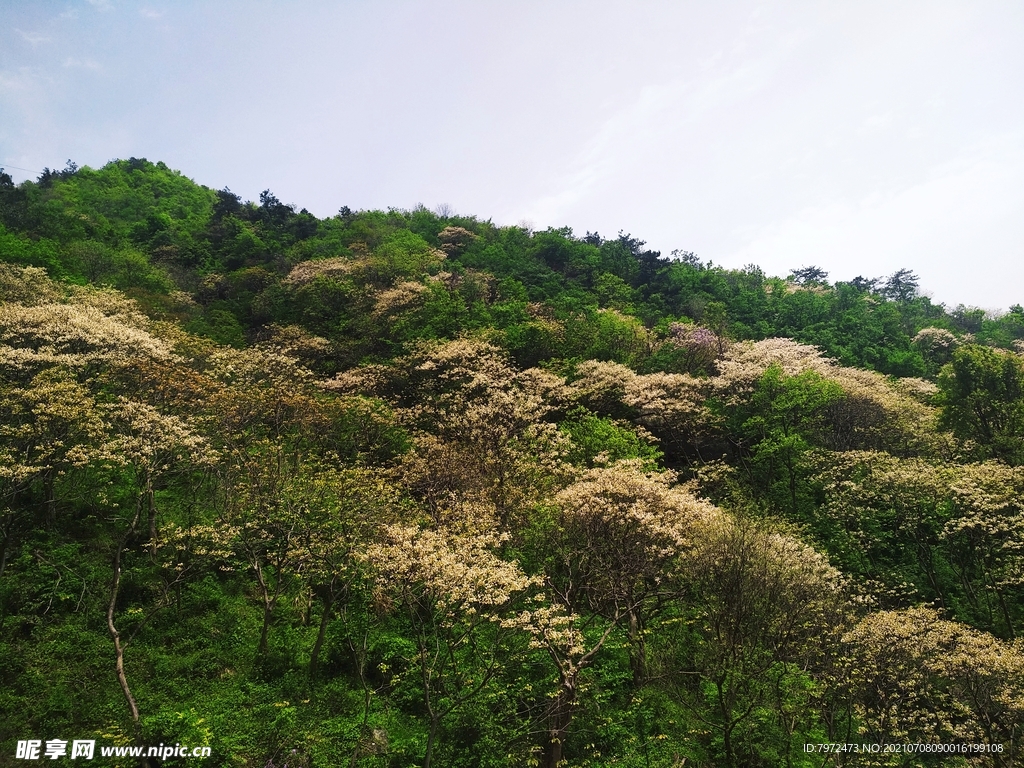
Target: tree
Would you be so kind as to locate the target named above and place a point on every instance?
(344, 509)
(612, 556)
(272, 211)
(228, 204)
(696, 347)
(936, 345)
(262, 524)
(148, 445)
(968, 319)
(462, 603)
(982, 398)
(601, 441)
(883, 519)
(784, 417)
(901, 286)
(809, 275)
(47, 177)
(984, 541)
(479, 431)
(761, 609)
(687, 257)
(617, 543)
(49, 428)
(454, 240)
(865, 284)
(916, 677)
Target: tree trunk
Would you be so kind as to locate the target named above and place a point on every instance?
(637, 650)
(116, 637)
(1006, 615)
(431, 738)
(269, 601)
(4, 555)
(561, 717)
(261, 650)
(49, 480)
(151, 504)
(314, 656)
(725, 708)
(359, 656)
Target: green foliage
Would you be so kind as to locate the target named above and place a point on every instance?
(782, 420)
(24, 251)
(599, 440)
(391, 487)
(983, 400)
(220, 325)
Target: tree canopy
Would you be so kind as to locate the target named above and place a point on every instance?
(403, 487)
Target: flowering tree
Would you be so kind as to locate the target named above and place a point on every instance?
(917, 677)
(478, 430)
(461, 601)
(149, 446)
(761, 610)
(614, 550)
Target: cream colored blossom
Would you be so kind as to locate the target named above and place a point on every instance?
(874, 413)
(460, 573)
(307, 271)
(918, 677)
(601, 385)
(26, 285)
(75, 334)
(295, 342)
(935, 344)
(155, 441)
(401, 298)
(454, 240)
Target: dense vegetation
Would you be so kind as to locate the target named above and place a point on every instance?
(408, 488)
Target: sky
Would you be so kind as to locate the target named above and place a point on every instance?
(858, 137)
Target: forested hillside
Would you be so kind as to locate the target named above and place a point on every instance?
(408, 488)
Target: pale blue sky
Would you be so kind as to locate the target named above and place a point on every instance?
(858, 136)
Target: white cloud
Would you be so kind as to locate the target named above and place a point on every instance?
(33, 38)
(149, 13)
(22, 80)
(82, 64)
(603, 153)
